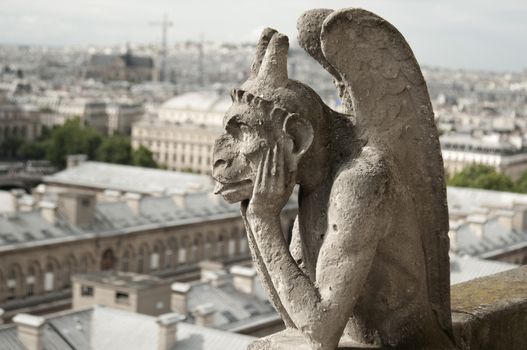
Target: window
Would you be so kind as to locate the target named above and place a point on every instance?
(86, 291)
(30, 282)
(49, 278)
(121, 298)
(182, 255)
(154, 261)
(168, 258)
(219, 247)
(125, 262)
(243, 245)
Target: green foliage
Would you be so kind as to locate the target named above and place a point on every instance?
(482, 176)
(521, 184)
(115, 149)
(9, 147)
(33, 150)
(72, 138)
(143, 157)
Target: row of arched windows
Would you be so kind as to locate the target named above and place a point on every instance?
(13, 131)
(174, 252)
(36, 278)
(18, 281)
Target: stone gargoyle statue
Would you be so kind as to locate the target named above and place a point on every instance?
(368, 261)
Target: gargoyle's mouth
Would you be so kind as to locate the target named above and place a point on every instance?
(225, 188)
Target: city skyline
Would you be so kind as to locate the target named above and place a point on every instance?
(469, 35)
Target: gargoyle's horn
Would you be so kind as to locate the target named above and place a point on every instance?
(274, 64)
(266, 36)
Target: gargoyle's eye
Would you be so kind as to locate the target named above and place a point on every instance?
(237, 128)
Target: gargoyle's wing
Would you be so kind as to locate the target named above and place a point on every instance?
(380, 80)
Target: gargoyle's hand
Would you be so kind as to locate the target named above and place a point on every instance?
(273, 185)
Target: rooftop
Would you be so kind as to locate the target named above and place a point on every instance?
(127, 280)
(206, 101)
(107, 328)
(466, 268)
(128, 178)
(26, 229)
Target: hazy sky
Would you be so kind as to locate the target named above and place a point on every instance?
(479, 34)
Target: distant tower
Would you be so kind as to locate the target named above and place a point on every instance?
(164, 24)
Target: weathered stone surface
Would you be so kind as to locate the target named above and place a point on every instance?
(368, 258)
(491, 312)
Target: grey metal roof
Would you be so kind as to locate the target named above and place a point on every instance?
(233, 308)
(130, 280)
(494, 237)
(70, 330)
(130, 179)
(117, 329)
(466, 268)
(102, 328)
(112, 218)
(27, 229)
(9, 339)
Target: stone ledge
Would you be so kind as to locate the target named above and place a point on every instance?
(491, 312)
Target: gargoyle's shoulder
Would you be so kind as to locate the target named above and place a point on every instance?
(371, 162)
(368, 171)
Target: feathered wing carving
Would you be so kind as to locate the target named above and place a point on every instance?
(379, 79)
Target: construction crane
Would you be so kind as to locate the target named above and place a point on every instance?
(164, 24)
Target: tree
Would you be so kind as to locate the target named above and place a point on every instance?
(33, 150)
(143, 157)
(115, 149)
(521, 184)
(9, 147)
(72, 138)
(482, 176)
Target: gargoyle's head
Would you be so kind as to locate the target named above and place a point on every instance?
(268, 109)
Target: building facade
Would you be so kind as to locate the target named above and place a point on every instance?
(506, 155)
(181, 147)
(165, 236)
(121, 116)
(127, 67)
(91, 112)
(17, 122)
(182, 136)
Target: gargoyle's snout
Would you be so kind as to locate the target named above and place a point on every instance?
(222, 157)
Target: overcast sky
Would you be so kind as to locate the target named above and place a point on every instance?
(478, 34)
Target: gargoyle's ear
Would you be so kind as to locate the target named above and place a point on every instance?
(301, 132)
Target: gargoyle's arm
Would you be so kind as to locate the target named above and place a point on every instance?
(357, 219)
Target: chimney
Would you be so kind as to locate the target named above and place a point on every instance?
(477, 224)
(78, 208)
(48, 210)
(505, 218)
(17, 194)
(519, 218)
(134, 202)
(180, 199)
(243, 278)
(30, 331)
(111, 195)
(38, 192)
(204, 315)
(179, 298)
(167, 330)
(209, 270)
(74, 160)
